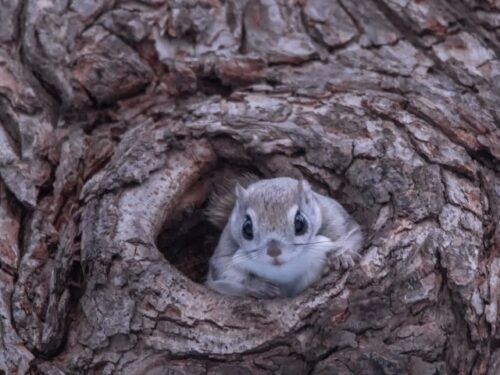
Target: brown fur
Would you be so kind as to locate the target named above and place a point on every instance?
(272, 200)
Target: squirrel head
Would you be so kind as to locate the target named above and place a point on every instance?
(275, 223)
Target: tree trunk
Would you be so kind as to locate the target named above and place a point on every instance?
(117, 120)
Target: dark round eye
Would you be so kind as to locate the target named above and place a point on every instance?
(300, 224)
(247, 228)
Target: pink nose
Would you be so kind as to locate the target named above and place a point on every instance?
(273, 250)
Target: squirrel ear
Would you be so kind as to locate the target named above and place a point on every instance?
(240, 192)
(304, 190)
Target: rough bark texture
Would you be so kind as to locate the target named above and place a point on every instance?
(117, 119)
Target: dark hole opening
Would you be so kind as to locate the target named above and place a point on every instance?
(188, 244)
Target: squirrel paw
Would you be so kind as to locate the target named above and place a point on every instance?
(342, 261)
(264, 290)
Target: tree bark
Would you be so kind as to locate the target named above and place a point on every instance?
(117, 120)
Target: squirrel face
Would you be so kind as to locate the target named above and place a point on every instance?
(275, 224)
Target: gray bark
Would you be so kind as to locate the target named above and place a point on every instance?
(117, 120)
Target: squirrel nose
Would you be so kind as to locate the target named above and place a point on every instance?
(273, 249)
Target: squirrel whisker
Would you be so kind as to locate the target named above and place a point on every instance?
(309, 243)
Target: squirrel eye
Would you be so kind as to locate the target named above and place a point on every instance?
(300, 224)
(247, 228)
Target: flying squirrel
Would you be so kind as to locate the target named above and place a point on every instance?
(279, 237)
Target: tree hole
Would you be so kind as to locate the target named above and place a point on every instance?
(188, 238)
